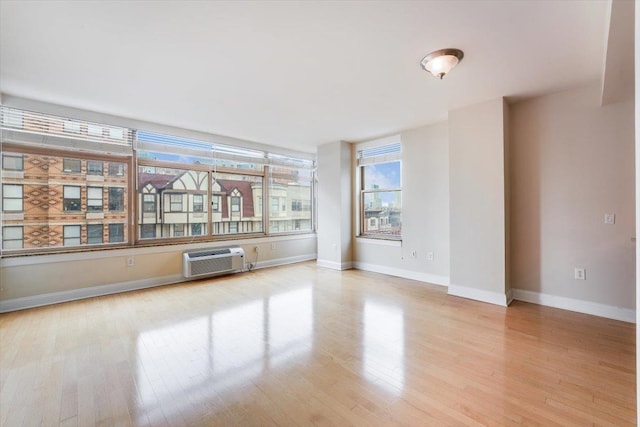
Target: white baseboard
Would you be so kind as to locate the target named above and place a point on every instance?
(96, 291)
(405, 274)
(580, 306)
(335, 265)
(497, 298)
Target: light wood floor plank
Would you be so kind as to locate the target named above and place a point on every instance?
(304, 346)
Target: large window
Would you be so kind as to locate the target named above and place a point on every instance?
(54, 194)
(12, 198)
(380, 195)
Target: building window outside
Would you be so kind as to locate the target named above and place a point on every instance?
(94, 199)
(196, 229)
(12, 198)
(116, 199)
(71, 126)
(12, 118)
(275, 205)
(94, 130)
(12, 162)
(71, 235)
(149, 203)
(116, 169)
(235, 204)
(216, 203)
(175, 203)
(178, 230)
(95, 234)
(148, 231)
(116, 233)
(233, 227)
(71, 165)
(71, 198)
(94, 167)
(12, 237)
(380, 192)
(198, 203)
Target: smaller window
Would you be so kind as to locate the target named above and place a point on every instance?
(147, 231)
(71, 165)
(198, 203)
(71, 235)
(116, 199)
(259, 207)
(11, 198)
(95, 234)
(12, 163)
(12, 118)
(71, 127)
(94, 199)
(94, 167)
(275, 205)
(116, 233)
(149, 203)
(71, 198)
(94, 130)
(216, 204)
(175, 203)
(178, 230)
(233, 227)
(116, 133)
(196, 229)
(235, 204)
(296, 205)
(12, 237)
(116, 169)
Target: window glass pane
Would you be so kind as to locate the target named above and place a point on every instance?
(12, 191)
(12, 244)
(12, 118)
(382, 176)
(71, 192)
(116, 233)
(13, 163)
(170, 190)
(237, 195)
(72, 127)
(56, 200)
(116, 133)
(12, 238)
(71, 165)
(94, 167)
(198, 203)
(94, 233)
(94, 130)
(383, 213)
(116, 169)
(291, 199)
(116, 199)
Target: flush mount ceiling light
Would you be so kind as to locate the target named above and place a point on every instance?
(440, 62)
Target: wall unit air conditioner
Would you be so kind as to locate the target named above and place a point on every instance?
(213, 262)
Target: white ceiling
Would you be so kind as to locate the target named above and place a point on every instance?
(293, 74)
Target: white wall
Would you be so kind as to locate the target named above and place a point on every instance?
(425, 212)
(478, 212)
(46, 279)
(334, 205)
(572, 162)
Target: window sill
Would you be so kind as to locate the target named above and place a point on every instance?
(376, 241)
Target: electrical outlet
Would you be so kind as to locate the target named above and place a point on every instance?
(609, 218)
(131, 262)
(429, 256)
(580, 274)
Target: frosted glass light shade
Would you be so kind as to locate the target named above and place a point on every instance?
(440, 62)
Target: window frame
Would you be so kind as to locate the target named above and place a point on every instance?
(67, 160)
(4, 239)
(65, 198)
(362, 192)
(13, 156)
(89, 199)
(94, 227)
(89, 164)
(4, 197)
(121, 196)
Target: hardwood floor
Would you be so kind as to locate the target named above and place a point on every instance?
(300, 345)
